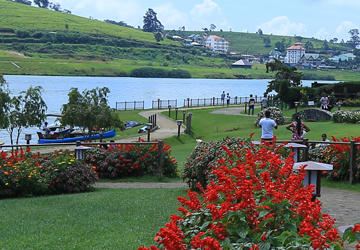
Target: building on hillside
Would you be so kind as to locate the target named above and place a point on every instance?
(275, 55)
(216, 43)
(294, 54)
(344, 58)
(313, 60)
(242, 64)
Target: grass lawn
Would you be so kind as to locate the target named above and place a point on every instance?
(103, 219)
(129, 218)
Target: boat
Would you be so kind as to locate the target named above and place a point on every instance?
(107, 134)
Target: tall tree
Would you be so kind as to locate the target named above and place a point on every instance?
(285, 78)
(260, 32)
(26, 110)
(90, 109)
(354, 37)
(151, 23)
(27, 2)
(42, 3)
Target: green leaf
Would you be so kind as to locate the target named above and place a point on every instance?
(264, 245)
(290, 226)
(243, 231)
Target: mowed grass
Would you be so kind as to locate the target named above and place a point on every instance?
(103, 219)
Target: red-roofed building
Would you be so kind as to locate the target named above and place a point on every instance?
(216, 43)
(294, 53)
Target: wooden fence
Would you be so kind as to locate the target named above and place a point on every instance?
(354, 150)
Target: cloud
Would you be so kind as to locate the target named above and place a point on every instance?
(207, 13)
(282, 26)
(170, 17)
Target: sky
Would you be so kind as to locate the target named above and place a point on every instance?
(322, 19)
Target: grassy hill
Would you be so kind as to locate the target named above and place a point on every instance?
(45, 42)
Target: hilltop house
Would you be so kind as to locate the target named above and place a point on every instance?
(243, 63)
(344, 58)
(216, 43)
(294, 53)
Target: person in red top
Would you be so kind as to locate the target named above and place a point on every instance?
(298, 129)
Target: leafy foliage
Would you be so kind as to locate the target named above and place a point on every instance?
(256, 202)
(27, 174)
(130, 160)
(159, 73)
(275, 113)
(151, 23)
(89, 110)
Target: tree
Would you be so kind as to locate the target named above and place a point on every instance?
(23, 2)
(326, 45)
(42, 3)
(285, 78)
(309, 45)
(26, 110)
(158, 37)
(355, 39)
(4, 103)
(55, 6)
(260, 32)
(212, 27)
(151, 23)
(267, 41)
(280, 46)
(90, 109)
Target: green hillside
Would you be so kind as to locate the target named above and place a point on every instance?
(20, 16)
(44, 42)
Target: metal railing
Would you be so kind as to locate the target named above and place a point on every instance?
(130, 105)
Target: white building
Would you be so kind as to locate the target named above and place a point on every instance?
(294, 53)
(216, 43)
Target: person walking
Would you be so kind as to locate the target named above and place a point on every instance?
(298, 129)
(267, 126)
(324, 102)
(251, 104)
(264, 102)
(228, 99)
(223, 98)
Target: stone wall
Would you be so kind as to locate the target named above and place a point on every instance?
(314, 114)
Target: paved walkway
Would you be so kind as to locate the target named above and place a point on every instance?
(342, 205)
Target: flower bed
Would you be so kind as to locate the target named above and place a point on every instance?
(342, 116)
(256, 202)
(130, 160)
(25, 174)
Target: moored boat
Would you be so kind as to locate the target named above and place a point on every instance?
(107, 134)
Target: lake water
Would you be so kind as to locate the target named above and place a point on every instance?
(56, 89)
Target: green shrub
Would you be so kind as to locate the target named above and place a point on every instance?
(27, 174)
(342, 116)
(275, 113)
(148, 72)
(130, 160)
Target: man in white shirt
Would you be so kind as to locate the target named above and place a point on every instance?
(267, 125)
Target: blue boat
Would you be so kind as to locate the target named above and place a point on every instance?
(108, 134)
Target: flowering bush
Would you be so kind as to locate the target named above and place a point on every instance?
(23, 174)
(257, 202)
(131, 160)
(346, 116)
(67, 174)
(351, 102)
(339, 156)
(275, 113)
(198, 167)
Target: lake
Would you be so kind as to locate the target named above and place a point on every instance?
(56, 89)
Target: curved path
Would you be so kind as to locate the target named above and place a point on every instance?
(342, 205)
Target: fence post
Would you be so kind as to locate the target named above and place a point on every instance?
(306, 150)
(160, 158)
(353, 153)
(245, 107)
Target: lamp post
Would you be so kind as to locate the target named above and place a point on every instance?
(313, 174)
(101, 132)
(296, 106)
(184, 112)
(169, 110)
(80, 151)
(148, 128)
(176, 112)
(179, 122)
(28, 139)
